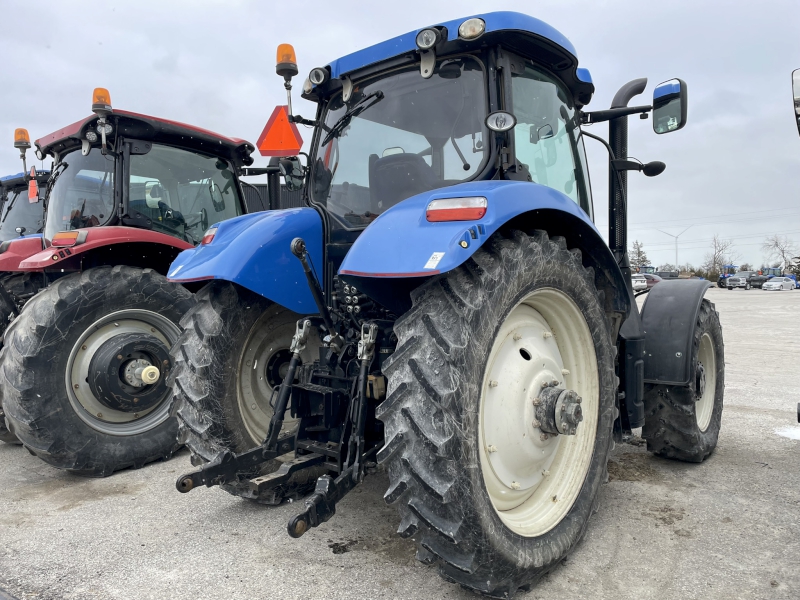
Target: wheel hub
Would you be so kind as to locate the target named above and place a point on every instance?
(700, 380)
(558, 410)
(123, 374)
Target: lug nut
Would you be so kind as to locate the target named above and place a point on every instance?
(536, 423)
(544, 437)
(517, 337)
(546, 334)
(492, 383)
(491, 448)
(515, 485)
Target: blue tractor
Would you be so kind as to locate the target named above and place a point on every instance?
(445, 306)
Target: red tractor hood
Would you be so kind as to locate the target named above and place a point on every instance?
(18, 250)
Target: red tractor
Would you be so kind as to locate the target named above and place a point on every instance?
(83, 368)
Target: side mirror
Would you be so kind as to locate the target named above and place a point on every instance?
(540, 133)
(796, 95)
(670, 101)
(292, 172)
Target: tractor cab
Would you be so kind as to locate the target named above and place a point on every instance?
(20, 215)
(390, 130)
(647, 269)
(136, 178)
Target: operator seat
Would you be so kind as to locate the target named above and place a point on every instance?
(396, 177)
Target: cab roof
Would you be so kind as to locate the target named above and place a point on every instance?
(10, 181)
(155, 129)
(521, 33)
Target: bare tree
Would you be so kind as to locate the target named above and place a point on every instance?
(780, 248)
(721, 254)
(638, 257)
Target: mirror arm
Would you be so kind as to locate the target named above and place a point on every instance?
(254, 171)
(301, 120)
(598, 116)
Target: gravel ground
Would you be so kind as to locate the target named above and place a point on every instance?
(727, 528)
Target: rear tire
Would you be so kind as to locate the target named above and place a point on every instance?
(235, 345)
(487, 532)
(93, 428)
(19, 286)
(683, 423)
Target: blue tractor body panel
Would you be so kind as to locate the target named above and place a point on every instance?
(402, 243)
(495, 21)
(253, 251)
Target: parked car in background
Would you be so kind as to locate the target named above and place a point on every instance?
(727, 271)
(740, 280)
(639, 282)
(668, 274)
(759, 279)
(778, 283)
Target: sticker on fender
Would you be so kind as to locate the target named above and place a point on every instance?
(433, 261)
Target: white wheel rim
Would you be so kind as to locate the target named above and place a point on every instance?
(704, 407)
(531, 482)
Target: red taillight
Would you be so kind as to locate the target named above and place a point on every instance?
(208, 236)
(456, 209)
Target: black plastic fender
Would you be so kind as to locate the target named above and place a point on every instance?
(668, 316)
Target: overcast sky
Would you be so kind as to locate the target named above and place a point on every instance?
(733, 170)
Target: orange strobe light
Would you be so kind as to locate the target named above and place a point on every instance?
(101, 102)
(21, 139)
(286, 61)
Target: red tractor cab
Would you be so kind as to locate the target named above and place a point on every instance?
(85, 363)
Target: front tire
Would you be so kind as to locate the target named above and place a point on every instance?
(69, 368)
(683, 422)
(473, 353)
(233, 352)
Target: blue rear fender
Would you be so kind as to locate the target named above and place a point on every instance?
(253, 251)
(401, 249)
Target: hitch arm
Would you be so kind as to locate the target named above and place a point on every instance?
(226, 468)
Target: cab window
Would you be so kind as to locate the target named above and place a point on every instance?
(182, 192)
(547, 136)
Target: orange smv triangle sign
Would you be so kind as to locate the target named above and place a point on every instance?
(280, 137)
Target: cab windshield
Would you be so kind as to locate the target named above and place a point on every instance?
(81, 194)
(18, 212)
(404, 135)
(181, 192)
